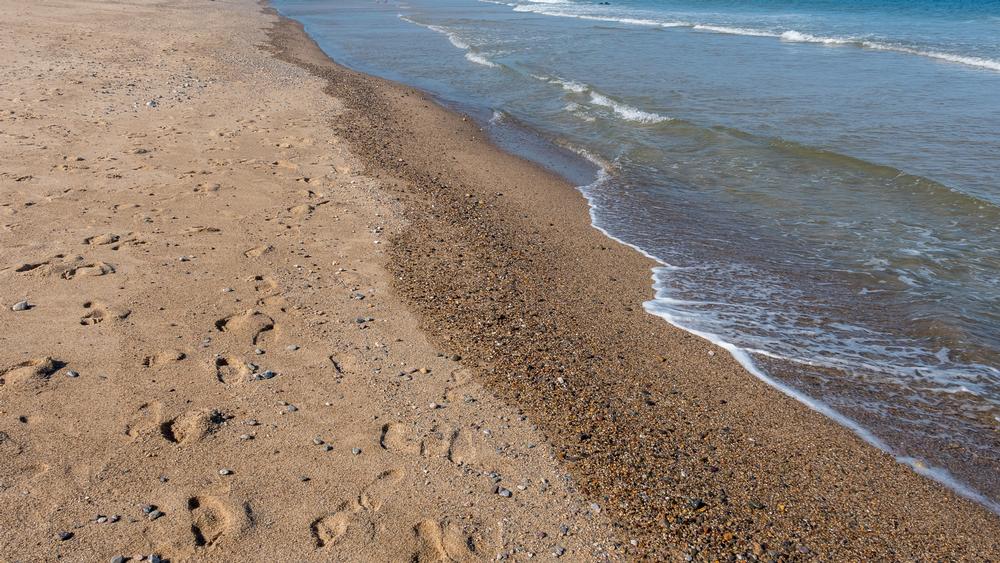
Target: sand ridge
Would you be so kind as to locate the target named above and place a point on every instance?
(212, 364)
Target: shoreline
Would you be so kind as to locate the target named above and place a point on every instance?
(447, 185)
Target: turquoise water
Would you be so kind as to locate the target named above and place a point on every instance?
(820, 179)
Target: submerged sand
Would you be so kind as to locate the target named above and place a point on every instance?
(284, 311)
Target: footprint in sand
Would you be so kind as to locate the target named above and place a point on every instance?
(210, 520)
(248, 324)
(447, 541)
(148, 418)
(329, 529)
(34, 371)
(258, 251)
(352, 522)
(164, 358)
(67, 268)
(98, 313)
(230, 369)
(375, 494)
(460, 446)
(101, 240)
(192, 426)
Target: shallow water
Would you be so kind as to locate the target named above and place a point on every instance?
(819, 178)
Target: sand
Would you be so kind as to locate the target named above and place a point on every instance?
(283, 311)
(180, 219)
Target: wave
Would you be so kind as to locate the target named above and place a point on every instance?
(626, 111)
(479, 59)
(470, 52)
(622, 110)
(790, 35)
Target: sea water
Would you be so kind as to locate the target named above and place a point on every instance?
(819, 179)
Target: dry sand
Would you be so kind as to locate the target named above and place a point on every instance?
(177, 213)
(183, 184)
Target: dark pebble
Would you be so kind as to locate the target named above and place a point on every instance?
(63, 536)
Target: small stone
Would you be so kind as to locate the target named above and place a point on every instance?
(434, 406)
(266, 374)
(186, 258)
(559, 551)
(291, 408)
(756, 505)
(225, 471)
(154, 558)
(564, 529)
(506, 493)
(114, 518)
(252, 422)
(152, 104)
(304, 479)
(101, 519)
(246, 437)
(118, 559)
(595, 507)
(696, 503)
(318, 441)
(327, 448)
(155, 514)
(356, 451)
(64, 536)
(21, 306)
(456, 358)
(73, 374)
(227, 290)
(258, 351)
(148, 508)
(291, 348)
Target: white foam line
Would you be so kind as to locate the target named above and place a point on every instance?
(470, 54)
(790, 35)
(939, 474)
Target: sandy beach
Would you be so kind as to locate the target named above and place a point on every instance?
(257, 306)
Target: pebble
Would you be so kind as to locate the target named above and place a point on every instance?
(118, 559)
(148, 508)
(327, 448)
(64, 536)
(21, 306)
(153, 515)
(252, 422)
(506, 493)
(258, 351)
(291, 408)
(225, 471)
(227, 290)
(266, 374)
(72, 374)
(356, 451)
(292, 348)
(559, 551)
(434, 406)
(318, 441)
(246, 437)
